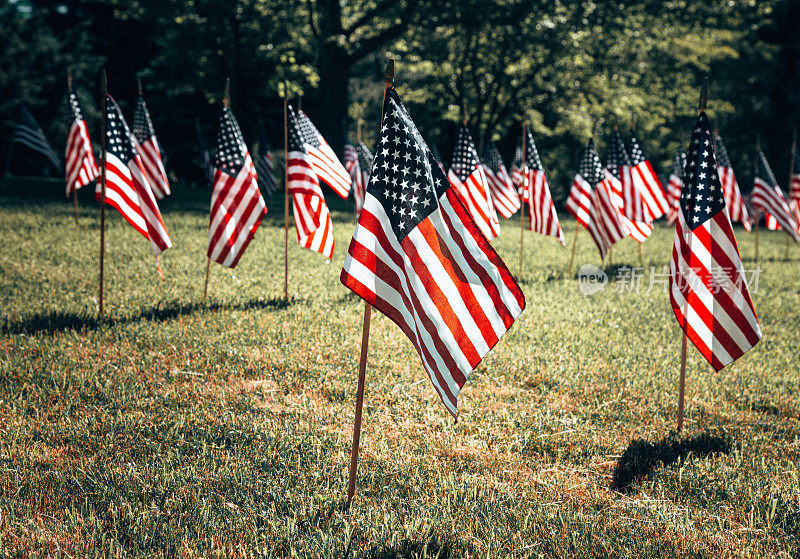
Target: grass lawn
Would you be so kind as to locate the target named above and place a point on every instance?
(171, 427)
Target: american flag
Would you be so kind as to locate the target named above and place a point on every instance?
(517, 178)
(437, 156)
(675, 185)
(646, 182)
(314, 226)
(321, 157)
(237, 206)
(81, 168)
(353, 167)
(149, 150)
(595, 201)
(768, 196)
(466, 174)
(265, 168)
(619, 166)
(127, 187)
(542, 216)
(364, 165)
(734, 203)
(708, 288)
(504, 195)
(28, 133)
(794, 185)
(419, 258)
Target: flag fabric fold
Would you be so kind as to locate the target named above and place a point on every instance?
(127, 187)
(619, 166)
(646, 182)
(149, 150)
(466, 174)
(675, 185)
(81, 167)
(504, 195)
(734, 203)
(768, 196)
(326, 165)
(29, 134)
(312, 220)
(542, 216)
(708, 288)
(418, 257)
(237, 206)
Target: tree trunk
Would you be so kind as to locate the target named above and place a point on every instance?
(335, 68)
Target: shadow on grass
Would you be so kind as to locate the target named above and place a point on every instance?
(56, 321)
(642, 457)
(408, 548)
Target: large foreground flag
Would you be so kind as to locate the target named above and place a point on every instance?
(675, 185)
(466, 174)
(646, 181)
(542, 216)
(127, 187)
(768, 196)
(595, 200)
(504, 195)
(619, 165)
(324, 162)
(237, 206)
(149, 150)
(708, 288)
(81, 168)
(419, 258)
(734, 203)
(313, 222)
(28, 133)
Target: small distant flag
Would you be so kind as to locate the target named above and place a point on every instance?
(517, 178)
(149, 150)
(353, 167)
(314, 226)
(646, 182)
(504, 195)
(734, 203)
(675, 185)
(794, 186)
(768, 196)
(708, 288)
(237, 206)
(466, 174)
(619, 165)
(28, 133)
(127, 187)
(418, 257)
(265, 168)
(321, 157)
(81, 168)
(541, 210)
(595, 201)
(364, 166)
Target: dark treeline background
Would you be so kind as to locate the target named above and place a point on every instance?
(565, 64)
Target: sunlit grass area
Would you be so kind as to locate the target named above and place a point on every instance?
(173, 427)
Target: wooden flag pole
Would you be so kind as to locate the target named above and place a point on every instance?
(103, 94)
(226, 102)
(524, 187)
(74, 191)
(388, 81)
(139, 84)
(702, 105)
(791, 174)
(286, 191)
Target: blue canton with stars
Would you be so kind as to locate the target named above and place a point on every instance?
(231, 150)
(118, 135)
(405, 177)
(491, 158)
(701, 196)
(73, 110)
(617, 156)
(295, 135)
(142, 125)
(465, 157)
(591, 169)
(308, 132)
(532, 158)
(637, 154)
(720, 152)
(764, 171)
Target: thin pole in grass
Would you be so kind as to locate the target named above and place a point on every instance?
(388, 81)
(286, 190)
(524, 189)
(226, 101)
(103, 95)
(756, 209)
(701, 106)
(638, 245)
(791, 174)
(75, 190)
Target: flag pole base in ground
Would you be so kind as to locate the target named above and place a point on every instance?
(75, 199)
(362, 370)
(205, 287)
(572, 255)
(682, 383)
